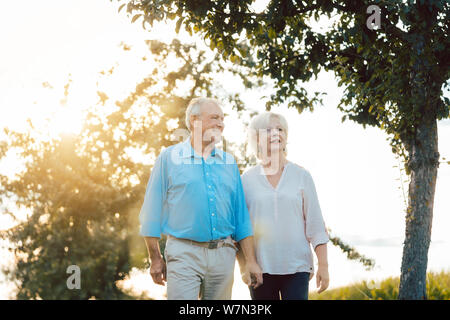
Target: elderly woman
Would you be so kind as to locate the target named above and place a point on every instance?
(286, 216)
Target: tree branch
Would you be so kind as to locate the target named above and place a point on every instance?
(392, 30)
(344, 8)
(264, 15)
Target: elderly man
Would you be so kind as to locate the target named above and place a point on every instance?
(195, 197)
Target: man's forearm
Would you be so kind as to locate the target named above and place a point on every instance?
(321, 253)
(251, 266)
(241, 259)
(248, 250)
(153, 248)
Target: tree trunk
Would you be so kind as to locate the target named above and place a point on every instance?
(423, 165)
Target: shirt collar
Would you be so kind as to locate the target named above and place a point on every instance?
(188, 152)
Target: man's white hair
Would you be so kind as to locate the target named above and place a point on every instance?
(261, 122)
(194, 108)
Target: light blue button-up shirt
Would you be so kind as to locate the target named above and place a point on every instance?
(193, 198)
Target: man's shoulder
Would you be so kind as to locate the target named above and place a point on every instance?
(164, 151)
(177, 147)
(227, 158)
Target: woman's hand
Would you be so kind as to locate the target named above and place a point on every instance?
(322, 278)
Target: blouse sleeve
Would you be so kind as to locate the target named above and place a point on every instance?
(316, 232)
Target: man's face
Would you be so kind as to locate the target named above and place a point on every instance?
(211, 121)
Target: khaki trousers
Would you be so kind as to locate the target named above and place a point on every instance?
(195, 272)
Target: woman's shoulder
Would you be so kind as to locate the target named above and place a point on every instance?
(298, 170)
(250, 171)
(296, 167)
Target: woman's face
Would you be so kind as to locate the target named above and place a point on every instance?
(273, 138)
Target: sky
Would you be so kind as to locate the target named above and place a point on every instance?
(357, 177)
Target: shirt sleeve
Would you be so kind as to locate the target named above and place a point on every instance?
(316, 232)
(153, 206)
(243, 225)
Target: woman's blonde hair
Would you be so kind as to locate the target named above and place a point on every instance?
(261, 122)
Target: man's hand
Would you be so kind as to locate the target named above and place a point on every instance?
(246, 277)
(255, 273)
(322, 278)
(251, 266)
(157, 266)
(158, 271)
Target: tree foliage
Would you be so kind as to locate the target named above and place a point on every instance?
(377, 67)
(352, 253)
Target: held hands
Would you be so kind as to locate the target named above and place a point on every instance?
(246, 277)
(250, 270)
(158, 271)
(322, 278)
(253, 275)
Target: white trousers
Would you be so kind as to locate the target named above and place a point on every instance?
(195, 272)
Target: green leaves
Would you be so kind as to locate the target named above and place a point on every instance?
(234, 59)
(136, 17)
(271, 33)
(121, 7)
(352, 253)
(178, 25)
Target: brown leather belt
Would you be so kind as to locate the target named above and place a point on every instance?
(212, 244)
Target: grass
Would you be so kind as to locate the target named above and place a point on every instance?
(438, 288)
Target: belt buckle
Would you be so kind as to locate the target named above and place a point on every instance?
(213, 244)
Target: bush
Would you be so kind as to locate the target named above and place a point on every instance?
(438, 288)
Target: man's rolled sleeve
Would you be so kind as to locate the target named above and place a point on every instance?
(243, 225)
(153, 206)
(316, 232)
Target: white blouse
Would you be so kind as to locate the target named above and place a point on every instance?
(285, 219)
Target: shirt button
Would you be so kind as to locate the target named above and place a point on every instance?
(207, 174)
(214, 229)
(209, 187)
(212, 214)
